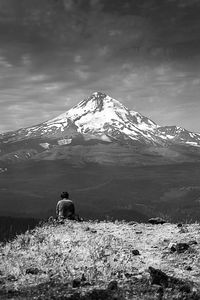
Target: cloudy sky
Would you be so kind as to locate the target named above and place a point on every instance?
(54, 53)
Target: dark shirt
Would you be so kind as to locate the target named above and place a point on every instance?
(65, 208)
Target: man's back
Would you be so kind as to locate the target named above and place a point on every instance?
(65, 209)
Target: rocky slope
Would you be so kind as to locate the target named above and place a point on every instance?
(105, 260)
(99, 120)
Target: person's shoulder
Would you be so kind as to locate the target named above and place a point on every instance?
(68, 201)
(65, 200)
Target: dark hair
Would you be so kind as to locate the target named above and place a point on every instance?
(64, 195)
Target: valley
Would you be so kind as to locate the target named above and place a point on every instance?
(33, 188)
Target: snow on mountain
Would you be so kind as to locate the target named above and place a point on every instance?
(179, 135)
(105, 118)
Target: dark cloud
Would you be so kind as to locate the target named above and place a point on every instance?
(143, 52)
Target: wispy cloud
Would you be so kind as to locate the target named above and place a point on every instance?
(54, 53)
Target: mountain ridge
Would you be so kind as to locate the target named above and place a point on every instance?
(98, 119)
(99, 102)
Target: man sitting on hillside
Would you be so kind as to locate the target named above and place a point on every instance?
(65, 208)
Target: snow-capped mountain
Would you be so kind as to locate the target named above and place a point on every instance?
(101, 117)
(179, 135)
(104, 118)
(97, 119)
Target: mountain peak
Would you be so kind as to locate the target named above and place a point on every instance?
(100, 116)
(98, 101)
(99, 95)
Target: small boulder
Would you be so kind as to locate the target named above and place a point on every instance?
(135, 252)
(93, 231)
(128, 275)
(179, 247)
(76, 283)
(172, 247)
(11, 278)
(179, 225)
(193, 242)
(158, 277)
(155, 221)
(166, 241)
(188, 268)
(32, 271)
(113, 285)
(182, 247)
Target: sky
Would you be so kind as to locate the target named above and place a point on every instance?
(144, 53)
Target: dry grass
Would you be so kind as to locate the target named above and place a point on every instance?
(101, 251)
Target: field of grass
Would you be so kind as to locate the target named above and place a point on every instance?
(96, 260)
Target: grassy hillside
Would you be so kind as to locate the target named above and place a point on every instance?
(96, 260)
